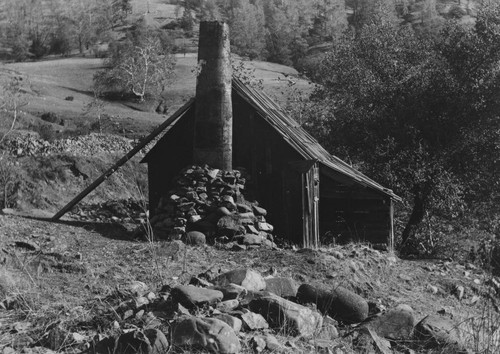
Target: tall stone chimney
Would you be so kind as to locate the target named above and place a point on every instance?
(213, 128)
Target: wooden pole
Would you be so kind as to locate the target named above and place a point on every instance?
(122, 161)
(213, 132)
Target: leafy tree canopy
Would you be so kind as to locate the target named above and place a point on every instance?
(417, 113)
(140, 66)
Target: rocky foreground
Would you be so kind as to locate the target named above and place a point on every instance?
(84, 287)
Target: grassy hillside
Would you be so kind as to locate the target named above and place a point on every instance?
(53, 81)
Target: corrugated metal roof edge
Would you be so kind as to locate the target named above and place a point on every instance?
(324, 157)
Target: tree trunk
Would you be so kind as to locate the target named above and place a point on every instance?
(420, 196)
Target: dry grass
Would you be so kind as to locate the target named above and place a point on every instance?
(55, 79)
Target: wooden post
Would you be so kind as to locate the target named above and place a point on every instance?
(122, 161)
(213, 132)
(390, 241)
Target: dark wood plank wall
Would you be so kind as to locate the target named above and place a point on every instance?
(353, 213)
(173, 152)
(346, 209)
(266, 155)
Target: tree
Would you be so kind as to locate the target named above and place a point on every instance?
(401, 107)
(248, 31)
(12, 99)
(210, 11)
(142, 66)
(329, 20)
(367, 12)
(187, 21)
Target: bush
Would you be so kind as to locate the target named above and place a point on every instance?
(9, 181)
(46, 132)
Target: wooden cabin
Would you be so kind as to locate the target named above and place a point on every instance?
(310, 195)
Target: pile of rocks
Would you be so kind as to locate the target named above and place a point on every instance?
(211, 201)
(228, 312)
(225, 312)
(84, 145)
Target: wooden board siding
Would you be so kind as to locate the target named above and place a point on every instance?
(277, 154)
(265, 155)
(353, 213)
(171, 154)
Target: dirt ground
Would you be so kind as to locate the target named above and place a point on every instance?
(66, 271)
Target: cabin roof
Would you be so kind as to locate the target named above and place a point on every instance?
(296, 136)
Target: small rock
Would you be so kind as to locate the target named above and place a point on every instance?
(8, 211)
(247, 278)
(233, 322)
(254, 321)
(474, 299)
(136, 288)
(272, 343)
(78, 338)
(396, 324)
(197, 281)
(233, 291)
(432, 289)
(191, 296)
(20, 327)
(328, 330)
(439, 331)
(283, 287)
(195, 238)
(258, 343)
(158, 341)
(227, 305)
(459, 292)
(259, 211)
(132, 343)
(141, 301)
(128, 314)
(250, 239)
(151, 296)
(139, 314)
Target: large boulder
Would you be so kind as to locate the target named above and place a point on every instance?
(282, 314)
(191, 296)
(205, 333)
(247, 278)
(396, 324)
(340, 303)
